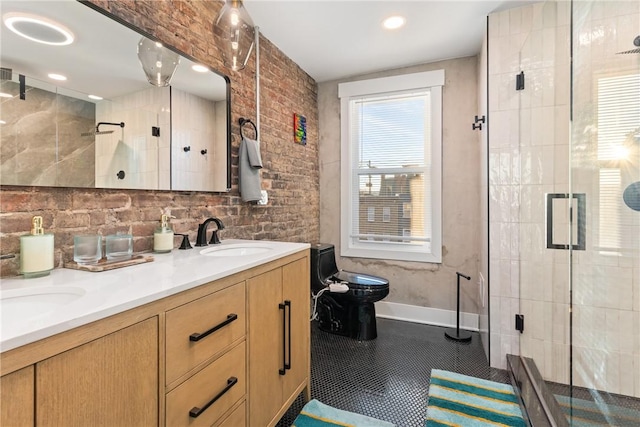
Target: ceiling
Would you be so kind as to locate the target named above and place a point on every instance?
(102, 60)
(333, 39)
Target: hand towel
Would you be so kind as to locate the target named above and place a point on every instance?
(249, 175)
(253, 150)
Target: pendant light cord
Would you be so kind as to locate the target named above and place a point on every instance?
(257, 43)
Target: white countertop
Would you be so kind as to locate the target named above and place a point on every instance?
(95, 296)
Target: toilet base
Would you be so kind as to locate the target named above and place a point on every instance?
(357, 321)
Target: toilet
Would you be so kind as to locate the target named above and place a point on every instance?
(351, 313)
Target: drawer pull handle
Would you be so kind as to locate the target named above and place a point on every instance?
(287, 365)
(197, 336)
(282, 307)
(196, 412)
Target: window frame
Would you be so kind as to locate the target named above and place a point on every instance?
(350, 247)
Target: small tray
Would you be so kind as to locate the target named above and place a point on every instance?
(104, 265)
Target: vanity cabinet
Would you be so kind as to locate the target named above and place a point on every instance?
(279, 341)
(17, 398)
(211, 355)
(111, 381)
(205, 343)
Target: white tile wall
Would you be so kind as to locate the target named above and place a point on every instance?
(196, 125)
(525, 276)
(132, 148)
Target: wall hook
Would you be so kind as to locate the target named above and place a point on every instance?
(478, 123)
(187, 148)
(203, 152)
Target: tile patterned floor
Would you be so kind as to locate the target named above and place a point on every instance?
(388, 378)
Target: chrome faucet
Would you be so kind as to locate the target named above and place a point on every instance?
(201, 240)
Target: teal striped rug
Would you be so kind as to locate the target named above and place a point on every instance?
(317, 414)
(460, 400)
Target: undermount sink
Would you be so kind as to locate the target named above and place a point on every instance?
(29, 302)
(242, 249)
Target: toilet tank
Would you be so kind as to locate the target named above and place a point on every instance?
(323, 264)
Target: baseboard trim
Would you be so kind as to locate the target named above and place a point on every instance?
(426, 315)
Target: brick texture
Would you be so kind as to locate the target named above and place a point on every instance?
(290, 174)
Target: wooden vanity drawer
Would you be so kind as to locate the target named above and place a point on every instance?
(238, 418)
(224, 379)
(224, 310)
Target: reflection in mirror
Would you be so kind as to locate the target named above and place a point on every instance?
(105, 126)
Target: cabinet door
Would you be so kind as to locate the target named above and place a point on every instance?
(295, 282)
(265, 346)
(112, 381)
(16, 398)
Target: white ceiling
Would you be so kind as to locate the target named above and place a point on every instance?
(333, 39)
(102, 60)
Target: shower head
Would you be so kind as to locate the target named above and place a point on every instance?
(104, 132)
(94, 132)
(636, 42)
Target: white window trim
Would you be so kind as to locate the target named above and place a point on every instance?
(434, 80)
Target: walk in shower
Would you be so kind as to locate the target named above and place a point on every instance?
(564, 194)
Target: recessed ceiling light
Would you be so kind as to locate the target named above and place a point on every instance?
(96, 97)
(2, 122)
(393, 22)
(199, 68)
(56, 76)
(38, 29)
(5, 95)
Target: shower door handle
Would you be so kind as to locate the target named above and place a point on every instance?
(581, 220)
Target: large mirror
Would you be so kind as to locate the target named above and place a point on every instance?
(105, 126)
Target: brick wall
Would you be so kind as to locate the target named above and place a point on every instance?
(290, 174)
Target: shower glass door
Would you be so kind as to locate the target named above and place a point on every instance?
(605, 168)
(577, 196)
(544, 191)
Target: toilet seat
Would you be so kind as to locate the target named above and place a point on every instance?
(362, 287)
(361, 281)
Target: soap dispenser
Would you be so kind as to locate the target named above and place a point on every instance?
(36, 251)
(163, 236)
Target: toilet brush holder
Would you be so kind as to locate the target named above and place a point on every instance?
(456, 334)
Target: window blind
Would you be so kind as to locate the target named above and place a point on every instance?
(391, 164)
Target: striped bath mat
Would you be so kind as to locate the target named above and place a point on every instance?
(317, 414)
(460, 400)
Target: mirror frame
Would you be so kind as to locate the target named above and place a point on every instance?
(117, 19)
(191, 58)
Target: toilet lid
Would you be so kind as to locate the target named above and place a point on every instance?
(360, 279)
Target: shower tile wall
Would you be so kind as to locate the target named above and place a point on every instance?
(192, 126)
(528, 157)
(139, 154)
(605, 159)
(41, 128)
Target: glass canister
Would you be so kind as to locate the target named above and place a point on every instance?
(87, 249)
(119, 247)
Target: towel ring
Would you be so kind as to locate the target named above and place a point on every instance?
(243, 122)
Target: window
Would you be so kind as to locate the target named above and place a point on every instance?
(618, 110)
(406, 210)
(391, 159)
(386, 214)
(371, 214)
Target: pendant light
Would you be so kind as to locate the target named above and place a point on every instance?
(235, 30)
(158, 62)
